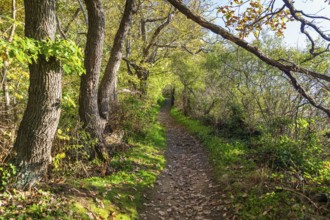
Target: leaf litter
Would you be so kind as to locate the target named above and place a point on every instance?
(185, 189)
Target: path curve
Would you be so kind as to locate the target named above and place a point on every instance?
(185, 189)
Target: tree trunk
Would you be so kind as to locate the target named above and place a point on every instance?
(143, 75)
(88, 108)
(37, 129)
(185, 101)
(172, 96)
(108, 87)
(6, 64)
(5, 91)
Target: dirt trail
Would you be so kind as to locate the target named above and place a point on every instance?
(185, 189)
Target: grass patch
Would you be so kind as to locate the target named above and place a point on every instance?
(222, 152)
(119, 195)
(252, 190)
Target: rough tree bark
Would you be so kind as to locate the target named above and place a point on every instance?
(32, 148)
(108, 87)
(88, 106)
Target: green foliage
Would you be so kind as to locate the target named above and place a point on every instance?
(267, 205)
(36, 204)
(134, 171)
(26, 50)
(72, 147)
(134, 115)
(221, 151)
(286, 153)
(7, 172)
(58, 160)
(116, 195)
(257, 178)
(227, 87)
(235, 124)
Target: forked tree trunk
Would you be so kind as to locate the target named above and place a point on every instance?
(88, 108)
(108, 86)
(37, 129)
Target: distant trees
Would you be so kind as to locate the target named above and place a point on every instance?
(157, 31)
(237, 93)
(269, 15)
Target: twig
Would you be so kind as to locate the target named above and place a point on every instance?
(83, 11)
(302, 195)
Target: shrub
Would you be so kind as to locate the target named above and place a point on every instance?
(7, 171)
(133, 115)
(284, 152)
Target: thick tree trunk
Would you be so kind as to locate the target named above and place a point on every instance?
(37, 129)
(88, 108)
(108, 87)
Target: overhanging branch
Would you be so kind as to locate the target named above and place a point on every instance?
(286, 68)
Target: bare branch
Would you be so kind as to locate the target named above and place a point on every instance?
(302, 92)
(155, 19)
(83, 11)
(242, 43)
(294, 13)
(156, 33)
(59, 27)
(286, 68)
(312, 16)
(75, 15)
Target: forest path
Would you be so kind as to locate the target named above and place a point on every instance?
(185, 189)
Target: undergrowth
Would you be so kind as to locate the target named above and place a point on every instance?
(265, 190)
(114, 195)
(119, 195)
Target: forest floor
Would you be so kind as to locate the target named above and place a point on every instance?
(205, 176)
(185, 189)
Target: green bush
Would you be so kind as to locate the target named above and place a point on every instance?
(7, 171)
(284, 152)
(134, 115)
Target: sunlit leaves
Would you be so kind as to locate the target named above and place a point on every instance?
(27, 50)
(252, 16)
